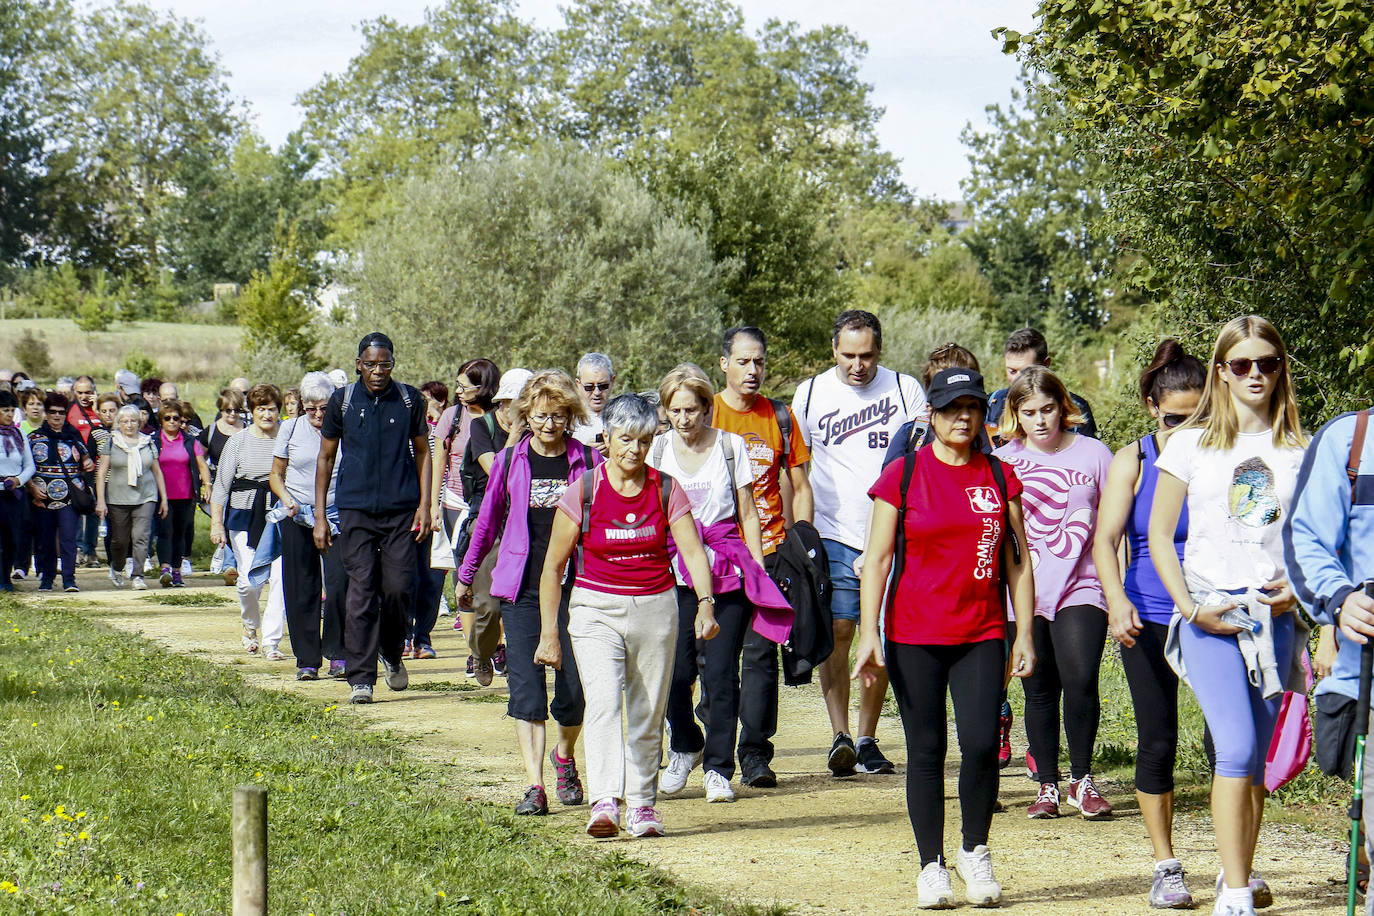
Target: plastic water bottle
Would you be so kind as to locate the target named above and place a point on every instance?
(104, 529)
(276, 514)
(1238, 618)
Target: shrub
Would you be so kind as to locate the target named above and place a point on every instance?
(31, 352)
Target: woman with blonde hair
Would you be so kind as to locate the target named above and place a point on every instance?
(1063, 474)
(524, 485)
(1235, 465)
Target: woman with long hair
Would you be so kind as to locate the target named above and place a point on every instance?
(1139, 607)
(1234, 464)
(1062, 474)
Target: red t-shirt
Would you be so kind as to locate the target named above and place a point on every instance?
(949, 593)
(83, 420)
(626, 550)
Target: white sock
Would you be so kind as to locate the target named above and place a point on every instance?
(1236, 896)
(866, 740)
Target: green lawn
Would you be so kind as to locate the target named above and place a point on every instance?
(117, 770)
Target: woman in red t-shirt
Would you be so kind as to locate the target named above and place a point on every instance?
(945, 623)
(623, 613)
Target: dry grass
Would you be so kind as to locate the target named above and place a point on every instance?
(199, 357)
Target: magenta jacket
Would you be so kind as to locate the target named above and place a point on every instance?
(732, 567)
(509, 486)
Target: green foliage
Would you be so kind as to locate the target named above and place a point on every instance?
(1237, 147)
(32, 354)
(21, 142)
(534, 260)
(277, 308)
(140, 364)
(98, 307)
(910, 334)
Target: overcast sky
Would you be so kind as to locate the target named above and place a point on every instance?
(933, 65)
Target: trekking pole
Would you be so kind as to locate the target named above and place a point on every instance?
(1361, 733)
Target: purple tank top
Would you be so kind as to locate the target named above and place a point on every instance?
(1142, 583)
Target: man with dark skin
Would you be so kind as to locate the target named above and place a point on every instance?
(383, 494)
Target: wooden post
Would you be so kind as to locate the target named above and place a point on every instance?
(250, 851)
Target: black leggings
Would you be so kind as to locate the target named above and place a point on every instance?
(1068, 656)
(717, 661)
(972, 675)
(175, 532)
(1154, 694)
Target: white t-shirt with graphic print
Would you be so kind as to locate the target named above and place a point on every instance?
(711, 499)
(848, 430)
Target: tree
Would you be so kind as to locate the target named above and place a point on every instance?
(277, 308)
(533, 260)
(21, 144)
(129, 96)
(99, 307)
(1236, 140)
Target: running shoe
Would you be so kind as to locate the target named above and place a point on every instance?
(177, 581)
(424, 652)
(148, 565)
(18, 574)
(842, 756)
(1084, 796)
(871, 760)
(933, 890)
(534, 802)
(337, 667)
(80, 559)
(1004, 748)
(605, 819)
(93, 562)
(71, 587)
(471, 670)
(458, 623)
(1259, 890)
(1167, 890)
(360, 693)
(680, 766)
(165, 577)
(138, 584)
(569, 786)
(1046, 804)
(307, 674)
(975, 868)
(644, 821)
(1032, 773)
(718, 787)
(45, 585)
(396, 676)
(483, 673)
(498, 660)
(186, 570)
(755, 773)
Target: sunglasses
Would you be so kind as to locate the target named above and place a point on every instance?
(597, 386)
(171, 419)
(1171, 420)
(1267, 365)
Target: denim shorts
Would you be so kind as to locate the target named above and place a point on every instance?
(844, 585)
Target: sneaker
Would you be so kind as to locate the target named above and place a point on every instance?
(139, 585)
(250, 640)
(307, 674)
(842, 756)
(644, 821)
(176, 579)
(396, 677)
(1032, 773)
(274, 654)
(18, 574)
(534, 802)
(458, 623)
(1004, 748)
(80, 558)
(93, 562)
(70, 587)
(337, 667)
(569, 787)
(444, 610)
(498, 660)
(1167, 890)
(933, 890)
(755, 773)
(45, 586)
(605, 819)
(406, 649)
(1046, 804)
(186, 570)
(975, 868)
(360, 693)
(129, 568)
(1259, 890)
(680, 766)
(482, 673)
(871, 760)
(718, 787)
(231, 576)
(148, 565)
(424, 652)
(165, 577)
(1084, 796)
(471, 670)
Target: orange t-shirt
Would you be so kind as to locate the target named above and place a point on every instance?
(759, 427)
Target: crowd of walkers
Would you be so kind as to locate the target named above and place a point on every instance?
(670, 553)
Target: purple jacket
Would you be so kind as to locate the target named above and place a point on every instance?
(732, 567)
(509, 486)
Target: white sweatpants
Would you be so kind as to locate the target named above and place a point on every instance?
(272, 625)
(624, 648)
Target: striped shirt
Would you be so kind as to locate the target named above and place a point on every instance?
(246, 456)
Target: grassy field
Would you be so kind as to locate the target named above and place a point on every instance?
(116, 777)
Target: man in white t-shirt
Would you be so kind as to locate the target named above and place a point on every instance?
(596, 377)
(847, 416)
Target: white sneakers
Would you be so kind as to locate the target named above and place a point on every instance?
(680, 766)
(718, 787)
(935, 892)
(980, 887)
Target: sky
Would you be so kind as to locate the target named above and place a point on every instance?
(934, 66)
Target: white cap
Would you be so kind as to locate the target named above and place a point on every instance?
(513, 382)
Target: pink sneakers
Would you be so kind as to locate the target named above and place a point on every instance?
(1084, 796)
(644, 821)
(1046, 804)
(605, 820)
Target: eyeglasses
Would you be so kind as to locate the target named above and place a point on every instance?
(540, 419)
(1267, 365)
(171, 419)
(57, 410)
(596, 386)
(318, 408)
(385, 365)
(1170, 420)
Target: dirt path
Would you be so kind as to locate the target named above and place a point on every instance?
(816, 844)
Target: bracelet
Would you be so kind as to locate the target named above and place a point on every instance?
(709, 599)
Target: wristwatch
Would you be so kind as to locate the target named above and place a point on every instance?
(709, 599)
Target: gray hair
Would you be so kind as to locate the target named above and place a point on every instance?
(317, 386)
(651, 396)
(129, 410)
(595, 361)
(631, 414)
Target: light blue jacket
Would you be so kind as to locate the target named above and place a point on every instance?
(1328, 540)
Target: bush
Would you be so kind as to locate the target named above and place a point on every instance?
(31, 352)
(140, 364)
(910, 334)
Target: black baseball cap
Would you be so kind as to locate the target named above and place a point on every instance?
(954, 383)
